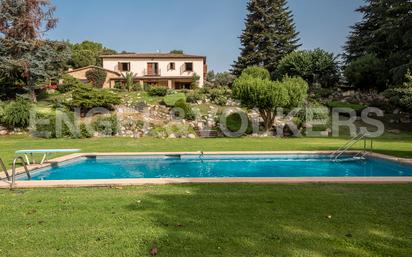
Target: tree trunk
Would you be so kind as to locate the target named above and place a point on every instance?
(268, 119)
(32, 93)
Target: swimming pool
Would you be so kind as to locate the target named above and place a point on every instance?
(217, 166)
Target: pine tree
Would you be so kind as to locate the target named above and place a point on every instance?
(269, 35)
(385, 32)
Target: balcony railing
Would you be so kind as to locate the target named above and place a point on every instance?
(152, 73)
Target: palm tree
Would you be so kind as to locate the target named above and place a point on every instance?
(129, 78)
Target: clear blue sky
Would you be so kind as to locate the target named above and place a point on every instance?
(209, 27)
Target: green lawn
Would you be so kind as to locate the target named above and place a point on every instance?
(209, 220)
(394, 145)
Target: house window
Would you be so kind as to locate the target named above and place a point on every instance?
(124, 66)
(188, 66)
(172, 66)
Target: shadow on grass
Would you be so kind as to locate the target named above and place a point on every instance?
(250, 220)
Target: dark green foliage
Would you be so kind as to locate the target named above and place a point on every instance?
(401, 96)
(315, 66)
(220, 79)
(256, 72)
(16, 114)
(385, 32)
(177, 52)
(107, 125)
(354, 106)
(269, 35)
(69, 126)
(96, 77)
(366, 72)
(158, 91)
(170, 100)
(267, 95)
(129, 81)
(234, 123)
(187, 110)
(219, 95)
(9, 89)
(194, 95)
(34, 63)
(195, 81)
(313, 111)
(69, 84)
(87, 53)
(86, 97)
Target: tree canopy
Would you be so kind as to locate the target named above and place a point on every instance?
(386, 33)
(255, 90)
(23, 56)
(87, 53)
(315, 66)
(269, 35)
(26, 20)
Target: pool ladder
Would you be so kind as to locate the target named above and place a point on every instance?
(13, 174)
(346, 148)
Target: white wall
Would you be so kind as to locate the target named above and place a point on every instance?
(138, 66)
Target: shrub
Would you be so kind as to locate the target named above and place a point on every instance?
(220, 100)
(86, 97)
(219, 95)
(188, 112)
(107, 125)
(171, 100)
(224, 79)
(336, 104)
(16, 114)
(234, 123)
(313, 111)
(84, 132)
(256, 72)
(146, 87)
(314, 66)
(96, 77)
(195, 81)
(69, 84)
(401, 96)
(2, 105)
(366, 72)
(158, 91)
(178, 129)
(49, 130)
(194, 95)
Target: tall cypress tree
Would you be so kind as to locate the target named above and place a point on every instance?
(269, 35)
(385, 31)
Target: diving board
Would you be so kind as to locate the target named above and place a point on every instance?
(45, 152)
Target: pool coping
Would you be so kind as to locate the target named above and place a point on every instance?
(163, 181)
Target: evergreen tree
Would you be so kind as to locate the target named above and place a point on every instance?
(23, 56)
(385, 32)
(269, 35)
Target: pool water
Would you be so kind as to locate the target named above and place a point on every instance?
(218, 166)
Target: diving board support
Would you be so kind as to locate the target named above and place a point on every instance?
(45, 152)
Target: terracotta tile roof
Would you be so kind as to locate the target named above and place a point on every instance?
(152, 55)
(93, 67)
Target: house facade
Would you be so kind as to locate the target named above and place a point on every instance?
(80, 74)
(174, 71)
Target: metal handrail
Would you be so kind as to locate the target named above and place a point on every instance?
(4, 169)
(348, 144)
(13, 176)
(345, 148)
